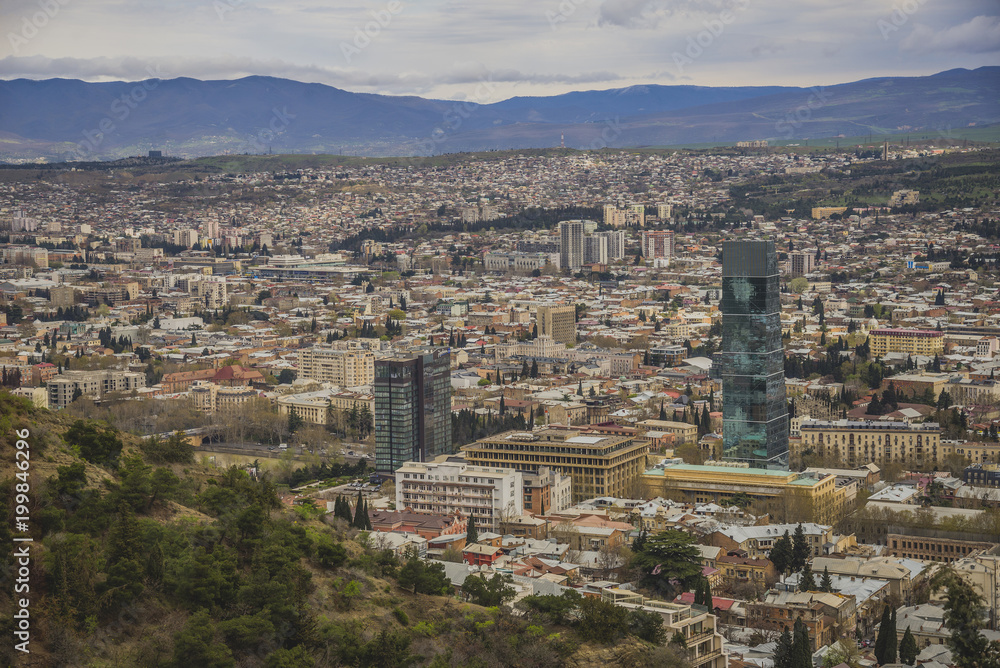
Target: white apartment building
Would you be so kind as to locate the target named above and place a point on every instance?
(94, 384)
(486, 493)
(346, 367)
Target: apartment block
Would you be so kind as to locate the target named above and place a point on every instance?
(212, 398)
(912, 341)
(447, 485)
(702, 640)
(93, 384)
(658, 244)
(558, 322)
(347, 367)
(856, 443)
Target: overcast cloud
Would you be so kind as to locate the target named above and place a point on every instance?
(448, 48)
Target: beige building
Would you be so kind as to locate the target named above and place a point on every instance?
(600, 465)
(785, 495)
(324, 407)
(682, 431)
(347, 367)
(93, 384)
(559, 322)
(702, 640)
(856, 443)
(212, 398)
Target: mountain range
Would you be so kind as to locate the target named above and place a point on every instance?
(60, 119)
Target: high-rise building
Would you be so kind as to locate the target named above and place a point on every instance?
(754, 412)
(595, 249)
(571, 245)
(802, 263)
(559, 322)
(616, 244)
(658, 244)
(412, 408)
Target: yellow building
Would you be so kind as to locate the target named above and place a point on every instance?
(819, 212)
(856, 443)
(913, 341)
(347, 367)
(599, 464)
(786, 495)
(682, 431)
(559, 322)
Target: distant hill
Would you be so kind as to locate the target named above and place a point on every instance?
(63, 119)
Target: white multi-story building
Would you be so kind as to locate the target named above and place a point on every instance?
(616, 243)
(347, 367)
(595, 249)
(571, 249)
(489, 494)
(93, 384)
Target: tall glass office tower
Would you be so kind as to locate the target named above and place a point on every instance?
(754, 412)
(412, 408)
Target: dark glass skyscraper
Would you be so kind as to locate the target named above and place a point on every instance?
(412, 408)
(754, 412)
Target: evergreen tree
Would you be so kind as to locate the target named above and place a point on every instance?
(886, 638)
(801, 646)
(908, 648)
(663, 412)
(826, 583)
(471, 533)
(640, 541)
(359, 513)
(800, 549)
(781, 554)
(783, 651)
(806, 581)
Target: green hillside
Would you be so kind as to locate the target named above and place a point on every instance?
(141, 557)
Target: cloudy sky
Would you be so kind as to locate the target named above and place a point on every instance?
(487, 51)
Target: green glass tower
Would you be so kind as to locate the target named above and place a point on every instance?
(412, 408)
(754, 411)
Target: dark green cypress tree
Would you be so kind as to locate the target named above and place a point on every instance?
(881, 641)
(783, 651)
(908, 649)
(801, 646)
(471, 533)
(800, 549)
(826, 583)
(359, 509)
(806, 581)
